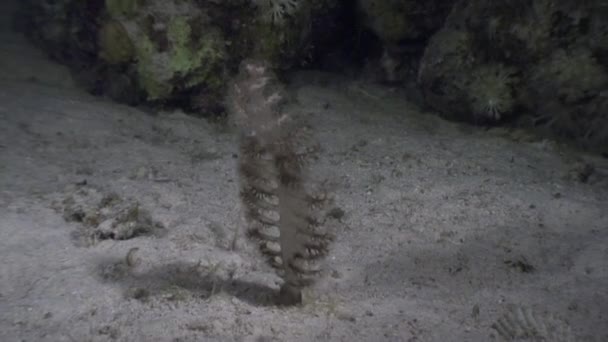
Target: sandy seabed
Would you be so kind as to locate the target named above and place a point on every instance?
(445, 227)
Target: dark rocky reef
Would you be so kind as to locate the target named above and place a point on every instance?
(175, 53)
(540, 64)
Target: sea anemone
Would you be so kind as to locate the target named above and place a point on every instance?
(275, 11)
(491, 91)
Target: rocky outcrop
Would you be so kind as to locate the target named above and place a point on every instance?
(494, 61)
(169, 52)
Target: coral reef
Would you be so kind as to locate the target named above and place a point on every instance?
(63, 28)
(186, 60)
(445, 70)
(477, 61)
(546, 58)
(402, 28)
(122, 8)
(567, 94)
(168, 50)
(176, 52)
(570, 75)
(115, 46)
(397, 21)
